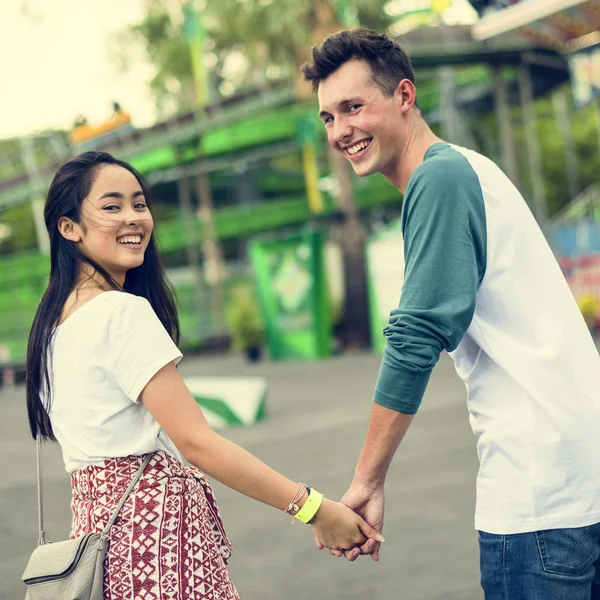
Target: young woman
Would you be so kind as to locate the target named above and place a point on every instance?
(102, 381)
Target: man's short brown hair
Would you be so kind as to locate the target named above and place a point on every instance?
(389, 63)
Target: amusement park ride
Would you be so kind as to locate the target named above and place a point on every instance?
(97, 135)
(505, 59)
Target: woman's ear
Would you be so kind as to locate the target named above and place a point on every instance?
(69, 230)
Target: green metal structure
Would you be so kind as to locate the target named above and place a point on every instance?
(257, 127)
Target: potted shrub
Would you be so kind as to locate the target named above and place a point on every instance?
(245, 323)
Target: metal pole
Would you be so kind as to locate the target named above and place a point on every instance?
(533, 148)
(246, 194)
(37, 200)
(596, 107)
(351, 237)
(447, 109)
(509, 157)
(191, 246)
(213, 257)
(561, 114)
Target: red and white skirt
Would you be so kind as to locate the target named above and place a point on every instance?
(168, 541)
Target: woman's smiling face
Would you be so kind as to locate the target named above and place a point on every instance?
(116, 223)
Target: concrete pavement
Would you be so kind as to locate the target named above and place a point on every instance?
(316, 418)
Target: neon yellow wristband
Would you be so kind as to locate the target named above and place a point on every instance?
(310, 507)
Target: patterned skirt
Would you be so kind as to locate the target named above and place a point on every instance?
(168, 541)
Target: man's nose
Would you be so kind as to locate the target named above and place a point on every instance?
(342, 132)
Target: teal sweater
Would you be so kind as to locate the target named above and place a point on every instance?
(444, 229)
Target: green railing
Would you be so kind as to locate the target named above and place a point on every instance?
(261, 122)
(23, 276)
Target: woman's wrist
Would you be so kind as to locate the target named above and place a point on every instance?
(321, 511)
(305, 504)
(308, 506)
(300, 503)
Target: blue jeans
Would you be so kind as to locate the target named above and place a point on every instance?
(557, 564)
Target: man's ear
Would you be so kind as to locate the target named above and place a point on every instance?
(69, 230)
(407, 94)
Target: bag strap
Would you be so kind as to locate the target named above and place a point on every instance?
(40, 486)
(126, 494)
(40, 491)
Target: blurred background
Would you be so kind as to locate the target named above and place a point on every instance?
(278, 254)
(204, 98)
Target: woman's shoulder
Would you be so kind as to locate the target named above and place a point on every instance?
(126, 305)
(106, 306)
(123, 299)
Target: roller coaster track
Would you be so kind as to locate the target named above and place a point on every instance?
(429, 48)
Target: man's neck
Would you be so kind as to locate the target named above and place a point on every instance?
(418, 140)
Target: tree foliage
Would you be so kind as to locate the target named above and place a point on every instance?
(253, 42)
(249, 43)
(586, 139)
(19, 220)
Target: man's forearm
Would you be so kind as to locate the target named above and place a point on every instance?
(386, 429)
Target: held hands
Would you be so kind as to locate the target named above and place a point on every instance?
(368, 502)
(337, 527)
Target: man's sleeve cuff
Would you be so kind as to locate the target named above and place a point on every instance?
(401, 389)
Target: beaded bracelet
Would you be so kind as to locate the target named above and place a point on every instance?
(293, 505)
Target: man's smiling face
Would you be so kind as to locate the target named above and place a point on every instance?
(362, 123)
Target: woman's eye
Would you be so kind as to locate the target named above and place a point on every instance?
(111, 207)
(141, 205)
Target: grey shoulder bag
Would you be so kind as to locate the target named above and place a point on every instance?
(73, 569)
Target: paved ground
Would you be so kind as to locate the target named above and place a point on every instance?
(315, 427)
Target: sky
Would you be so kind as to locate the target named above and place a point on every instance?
(55, 64)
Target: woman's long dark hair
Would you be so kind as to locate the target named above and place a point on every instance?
(70, 186)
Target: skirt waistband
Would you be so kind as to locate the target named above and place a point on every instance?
(113, 475)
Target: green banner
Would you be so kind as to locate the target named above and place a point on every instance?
(293, 293)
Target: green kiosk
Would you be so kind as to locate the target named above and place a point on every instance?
(292, 289)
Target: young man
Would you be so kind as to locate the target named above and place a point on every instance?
(480, 282)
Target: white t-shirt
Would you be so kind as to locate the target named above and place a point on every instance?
(531, 370)
(482, 282)
(101, 359)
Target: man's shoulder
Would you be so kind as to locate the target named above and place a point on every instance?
(444, 169)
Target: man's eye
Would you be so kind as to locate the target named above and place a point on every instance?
(328, 120)
(354, 108)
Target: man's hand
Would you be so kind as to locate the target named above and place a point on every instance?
(386, 429)
(368, 502)
(339, 528)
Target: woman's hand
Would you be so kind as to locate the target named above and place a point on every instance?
(336, 526)
(367, 501)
